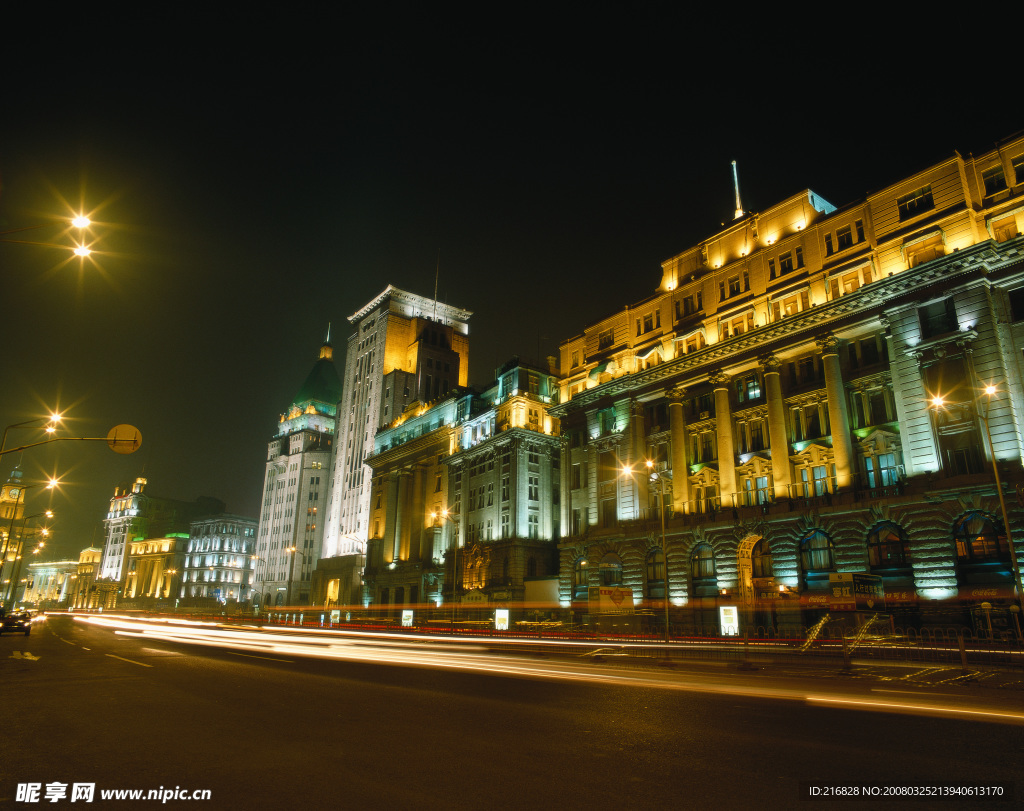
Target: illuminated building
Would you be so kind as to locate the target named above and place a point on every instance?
(153, 570)
(780, 380)
(404, 348)
(295, 487)
(83, 590)
(135, 513)
(220, 559)
(465, 490)
(12, 510)
(49, 584)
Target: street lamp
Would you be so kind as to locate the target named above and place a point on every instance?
(439, 516)
(991, 390)
(81, 222)
(657, 481)
(50, 427)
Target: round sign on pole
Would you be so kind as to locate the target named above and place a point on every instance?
(124, 439)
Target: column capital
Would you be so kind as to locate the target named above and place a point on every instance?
(719, 379)
(770, 363)
(677, 394)
(828, 344)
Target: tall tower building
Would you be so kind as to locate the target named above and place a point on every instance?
(295, 488)
(404, 348)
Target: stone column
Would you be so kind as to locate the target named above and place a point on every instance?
(842, 443)
(638, 458)
(416, 517)
(680, 451)
(778, 433)
(726, 450)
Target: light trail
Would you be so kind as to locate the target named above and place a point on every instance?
(442, 653)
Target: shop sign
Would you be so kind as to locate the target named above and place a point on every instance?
(856, 592)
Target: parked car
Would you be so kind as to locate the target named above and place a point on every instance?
(17, 621)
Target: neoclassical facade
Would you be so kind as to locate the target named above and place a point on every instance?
(813, 390)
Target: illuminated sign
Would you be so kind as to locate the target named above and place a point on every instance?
(406, 618)
(610, 600)
(729, 620)
(501, 619)
(856, 592)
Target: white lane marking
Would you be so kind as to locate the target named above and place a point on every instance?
(268, 658)
(143, 664)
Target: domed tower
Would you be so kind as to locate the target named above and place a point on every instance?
(295, 488)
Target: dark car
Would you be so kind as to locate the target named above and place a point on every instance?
(17, 621)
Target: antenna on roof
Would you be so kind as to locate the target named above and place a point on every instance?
(437, 272)
(736, 185)
(328, 333)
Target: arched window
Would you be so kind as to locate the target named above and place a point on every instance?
(978, 539)
(611, 570)
(887, 546)
(761, 559)
(816, 552)
(656, 574)
(580, 579)
(702, 562)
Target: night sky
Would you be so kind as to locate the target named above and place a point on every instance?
(253, 178)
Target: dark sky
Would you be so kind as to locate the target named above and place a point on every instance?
(255, 177)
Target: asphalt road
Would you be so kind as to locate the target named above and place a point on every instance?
(262, 730)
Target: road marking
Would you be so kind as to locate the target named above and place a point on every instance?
(85, 648)
(65, 641)
(163, 652)
(913, 692)
(268, 658)
(26, 655)
(127, 660)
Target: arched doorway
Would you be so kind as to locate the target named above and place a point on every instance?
(756, 575)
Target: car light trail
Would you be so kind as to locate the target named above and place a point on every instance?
(443, 653)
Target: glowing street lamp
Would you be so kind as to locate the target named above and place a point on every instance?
(439, 517)
(657, 481)
(52, 421)
(81, 222)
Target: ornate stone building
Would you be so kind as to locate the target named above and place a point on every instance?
(295, 487)
(808, 386)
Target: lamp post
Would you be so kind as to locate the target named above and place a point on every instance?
(990, 390)
(439, 518)
(257, 562)
(658, 482)
(80, 248)
(50, 427)
(12, 592)
(18, 501)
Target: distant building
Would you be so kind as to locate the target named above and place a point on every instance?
(135, 513)
(220, 559)
(295, 487)
(49, 584)
(153, 570)
(83, 590)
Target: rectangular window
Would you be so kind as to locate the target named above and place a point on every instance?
(844, 237)
(937, 318)
(860, 230)
(829, 250)
(994, 180)
(1018, 168)
(533, 489)
(605, 339)
(799, 256)
(735, 287)
(771, 268)
(785, 263)
(917, 202)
